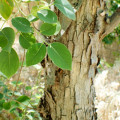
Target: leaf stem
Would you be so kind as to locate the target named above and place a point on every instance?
(24, 105)
(2, 25)
(19, 9)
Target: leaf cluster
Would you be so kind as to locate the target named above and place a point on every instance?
(35, 51)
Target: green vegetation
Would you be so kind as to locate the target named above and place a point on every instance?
(13, 103)
(35, 51)
(15, 106)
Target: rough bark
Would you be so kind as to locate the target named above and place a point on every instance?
(71, 97)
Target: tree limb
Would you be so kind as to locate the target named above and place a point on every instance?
(114, 22)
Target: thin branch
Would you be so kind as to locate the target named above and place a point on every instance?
(24, 105)
(35, 27)
(19, 8)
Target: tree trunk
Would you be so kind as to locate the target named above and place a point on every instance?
(71, 97)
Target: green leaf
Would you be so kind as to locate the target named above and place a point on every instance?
(118, 1)
(35, 54)
(109, 39)
(3, 40)
(6, 7)
(1, 95)
(34, 10)
(65, 7)
(9, 62)
(47, 16)
(58, 28)
(48, 29)
(14, 104)
(23, 98)
(9, 34)
(22, 24)
(60, 55)
(37, 8)
(26, 40)
(7, 105)
(28, 87)
(1, 104)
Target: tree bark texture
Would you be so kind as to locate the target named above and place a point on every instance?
(71, 97)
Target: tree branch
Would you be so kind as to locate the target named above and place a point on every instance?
(114, 22)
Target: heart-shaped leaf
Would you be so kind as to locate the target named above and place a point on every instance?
(9, 62)
(65, 7)
(47, 16)
(22, 24)
(26, 40)
(60, 55)
(35, 54)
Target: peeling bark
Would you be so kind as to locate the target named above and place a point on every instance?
(71, 97)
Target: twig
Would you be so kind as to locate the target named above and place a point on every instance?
(19, 8)
(24, 104)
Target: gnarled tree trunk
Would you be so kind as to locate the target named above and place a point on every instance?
(71, 97)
